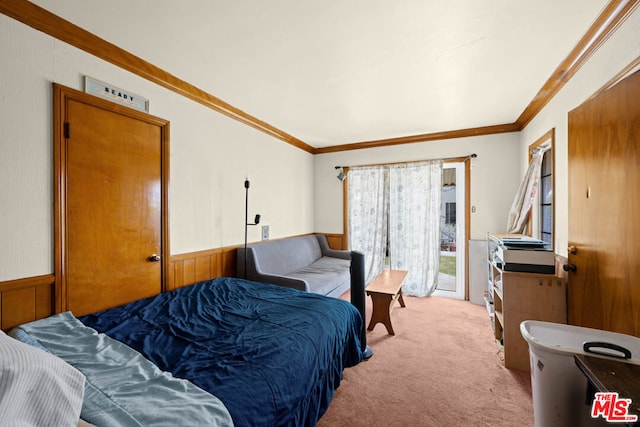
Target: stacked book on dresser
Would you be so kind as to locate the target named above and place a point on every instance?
(525, 254)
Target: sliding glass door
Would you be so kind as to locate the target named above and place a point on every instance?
(451, 277)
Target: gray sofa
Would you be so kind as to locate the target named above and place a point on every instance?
(305, 263)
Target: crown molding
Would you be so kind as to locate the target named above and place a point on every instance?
(435, 136)
(612, 16)
(63, 30)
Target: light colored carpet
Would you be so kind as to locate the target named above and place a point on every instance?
(442, 368)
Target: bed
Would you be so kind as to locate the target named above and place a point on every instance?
(225, 352)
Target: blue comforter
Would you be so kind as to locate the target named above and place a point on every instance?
(121, 387)
(272, 355)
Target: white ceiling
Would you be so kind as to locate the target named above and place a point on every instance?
(342, 71)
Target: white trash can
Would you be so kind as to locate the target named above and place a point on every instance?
(557, 384)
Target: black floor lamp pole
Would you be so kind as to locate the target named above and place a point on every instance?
(256, 221)
(246, 223)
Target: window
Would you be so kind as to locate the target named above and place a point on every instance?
(450, 213)
(541, 220)
(546, 198)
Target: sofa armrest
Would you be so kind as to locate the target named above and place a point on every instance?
(288, 282)
(327, 251)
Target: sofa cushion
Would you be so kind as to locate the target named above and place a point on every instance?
(286, 255)
(325, 275)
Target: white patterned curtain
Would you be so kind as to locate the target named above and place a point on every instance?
(367, 216)
(517, 221)
(415, 191)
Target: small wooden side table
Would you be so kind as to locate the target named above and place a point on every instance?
(385, 290)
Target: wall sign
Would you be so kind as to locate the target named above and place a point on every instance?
(114, 94)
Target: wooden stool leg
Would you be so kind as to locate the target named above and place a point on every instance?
(380, 312)
(400, 299)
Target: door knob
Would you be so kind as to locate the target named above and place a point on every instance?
(569, 267)
(572, 249)
(154, 258)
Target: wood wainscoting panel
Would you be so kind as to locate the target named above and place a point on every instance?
(26, 300)
(33, 298)
(228, 259)
(187, 269)
(336, 241)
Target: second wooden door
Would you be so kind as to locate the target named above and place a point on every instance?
(604, 231)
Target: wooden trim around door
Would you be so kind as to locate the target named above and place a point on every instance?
(61, 96)
(467, 218)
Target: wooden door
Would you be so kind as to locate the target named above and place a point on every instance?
(604, 185)
(112, 204)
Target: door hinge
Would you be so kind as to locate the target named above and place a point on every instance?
(67, 130)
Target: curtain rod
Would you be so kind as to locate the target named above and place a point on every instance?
(469, 156)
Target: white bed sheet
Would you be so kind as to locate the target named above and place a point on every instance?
(37, 388)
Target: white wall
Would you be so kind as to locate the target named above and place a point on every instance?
(502, 159)
(620, 50)
(210, 157)
(495, 175)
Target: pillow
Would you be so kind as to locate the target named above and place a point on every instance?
(36, 387)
